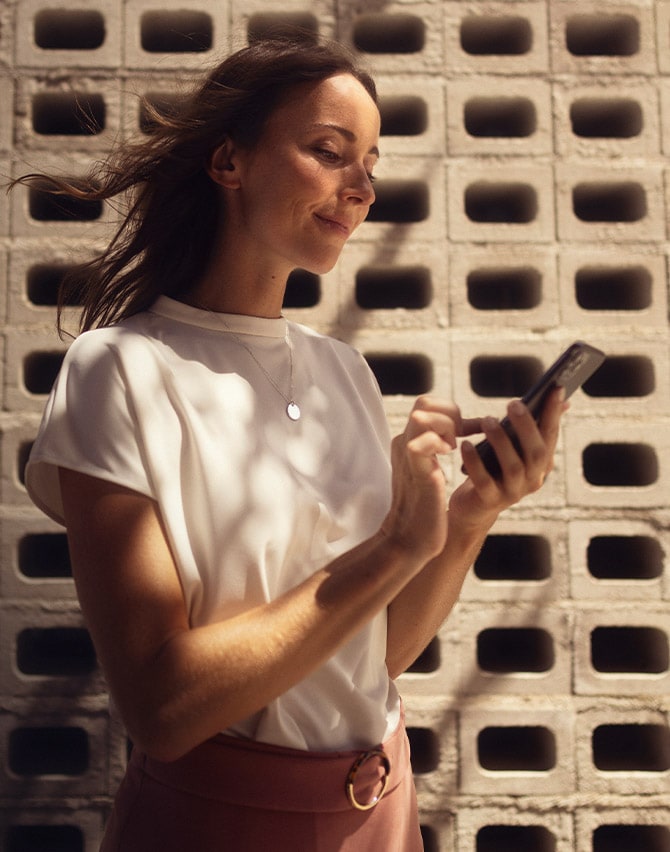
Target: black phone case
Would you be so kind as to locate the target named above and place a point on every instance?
(570, 370)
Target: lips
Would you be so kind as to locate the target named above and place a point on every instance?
(337, 225)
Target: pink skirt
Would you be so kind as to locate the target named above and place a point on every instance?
(233, 795)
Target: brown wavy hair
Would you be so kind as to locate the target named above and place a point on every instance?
(170, 205)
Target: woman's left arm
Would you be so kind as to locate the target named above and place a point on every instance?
(416, 614)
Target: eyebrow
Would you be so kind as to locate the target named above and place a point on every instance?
(348, 135)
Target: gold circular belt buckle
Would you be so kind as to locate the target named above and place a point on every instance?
(351, 778)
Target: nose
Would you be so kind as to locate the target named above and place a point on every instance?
(359, 186)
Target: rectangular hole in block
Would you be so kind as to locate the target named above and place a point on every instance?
(622, 376)
(43, 281)
(625, 465)
(514, 838)
(55, 652)
(504, 650)
(387, 33)
(502, 376)
(612, 288)
(606, 118)
(303, 290)
(602, 35)
(398, 201)
(301, 25)
(504, 288)
(625, 557)
(632, 650)
(500, 117)
(500, 203)
(522, 748)
(48, 751)
(403, 115)
(68, 114)
(40, 370)
(181, 31)
(496, 35)
(425, 749)
(389, 287)
(631, 748)
(521, 558)
(44, 556)
(68, 29)
(430, 840)
(44, 838)
(44, 206)
(408, 375)
(624, 837)
(609, 202)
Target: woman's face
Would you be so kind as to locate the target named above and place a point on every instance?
(307, 185)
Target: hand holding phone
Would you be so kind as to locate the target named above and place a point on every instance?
(569, 371)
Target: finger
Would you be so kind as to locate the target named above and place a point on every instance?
(441, 423)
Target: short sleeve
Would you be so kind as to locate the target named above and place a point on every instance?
(88, 425)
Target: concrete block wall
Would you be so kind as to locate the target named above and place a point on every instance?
(523, 200)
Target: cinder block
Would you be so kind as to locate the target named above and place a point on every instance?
(6, 114)
(432, 729)
(491, 734)
(152, 28)
(155, 86)
(486, 824)
(612, 288)
(97, 223)
(17, 435)
(5, 211)
(413, 115)
(629, 822)
(500, 37)
(524, 560)
(664, 90)
(53, 36)
(54, 749)
(72, 821)
(47, 651)
(418, 361)
(622, 747)
(611, 38)
(53, 115)
(502, 202)
(514, 649)
(662, 10)
(251, 18)
(35, 271)
(410, 205)
(33, 359)
(514, 286)
(396, 39)
(639, 668)
(439, 675)
(601, 121)
(35, 564)
(620, 559)
(391, 287)
(4, 261)
(495, 116)
(644, 447)
(610, 204)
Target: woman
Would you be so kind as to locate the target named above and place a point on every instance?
(254, 570)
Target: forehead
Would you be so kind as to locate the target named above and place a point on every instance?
(339, 100)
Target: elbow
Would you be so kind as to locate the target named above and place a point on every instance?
(160, 737)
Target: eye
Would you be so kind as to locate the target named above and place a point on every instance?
(327, 154)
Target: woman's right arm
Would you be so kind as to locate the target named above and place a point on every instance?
(176, 686)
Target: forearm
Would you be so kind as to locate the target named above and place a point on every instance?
(417, 612)
(201, 681)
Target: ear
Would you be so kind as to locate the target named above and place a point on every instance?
(222, 167)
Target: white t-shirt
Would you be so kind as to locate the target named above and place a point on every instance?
(171, 404)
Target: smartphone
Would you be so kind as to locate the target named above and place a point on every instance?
(570, 371)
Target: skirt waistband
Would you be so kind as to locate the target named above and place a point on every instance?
(245, 772)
